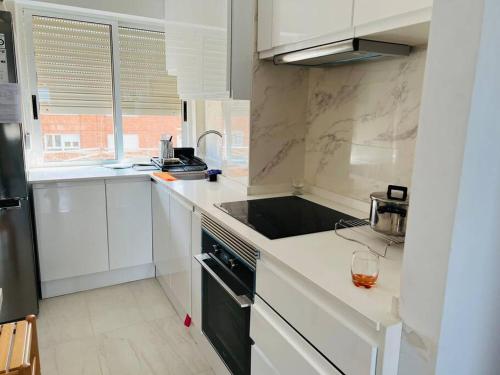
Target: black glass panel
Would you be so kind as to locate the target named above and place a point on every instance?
(284, 216)
(226, 324)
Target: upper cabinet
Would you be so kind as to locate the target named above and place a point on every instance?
(366, 11)
(398, 21)
(292, 21)
(209, 47)
(290, 25)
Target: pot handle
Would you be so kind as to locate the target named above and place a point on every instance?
(392, 188)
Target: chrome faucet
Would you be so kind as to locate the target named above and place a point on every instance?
(204, 134)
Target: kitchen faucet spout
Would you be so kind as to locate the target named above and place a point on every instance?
(204, 134)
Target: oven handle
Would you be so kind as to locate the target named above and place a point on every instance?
(243, 301)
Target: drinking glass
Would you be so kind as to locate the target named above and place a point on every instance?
(364, 268)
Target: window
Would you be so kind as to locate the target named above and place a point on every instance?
(231, 118)
(149, 100)
(75, 85)
(62, 142)
(76, 77)
(130, 142)
(238, 138)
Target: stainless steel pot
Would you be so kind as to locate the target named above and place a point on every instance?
(389, 211)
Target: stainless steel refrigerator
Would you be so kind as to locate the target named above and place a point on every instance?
(18, 271)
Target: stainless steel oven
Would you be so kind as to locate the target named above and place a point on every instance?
(228, 289)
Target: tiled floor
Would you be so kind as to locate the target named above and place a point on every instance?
(120, 330)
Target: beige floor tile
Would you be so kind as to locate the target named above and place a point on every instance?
(180, 343)
(78, 357)
(111, 308)
(209, 372)
(48, 360)
(63, 319)
(151, 300)
(125, 329)
(139, 349)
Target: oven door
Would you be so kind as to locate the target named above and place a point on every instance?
(226, 315)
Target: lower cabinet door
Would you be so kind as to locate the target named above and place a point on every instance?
(196, 270)
(129, 222)
(261, 365)
(160, 205)
(180, 232)
(280, 349)
(71, 229)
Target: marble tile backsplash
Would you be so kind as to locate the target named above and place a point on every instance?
(277, 131)
(361, 125)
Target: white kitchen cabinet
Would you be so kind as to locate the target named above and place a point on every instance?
(71, 229)
(397, 21)
(180, 234)
(261, 365)
(279, 349)
(160, 206)
(172, 245)
(290, 25)
(129, 222)
(355, 344)
(196, 269)
(296, 20)
(367, 11)
(209, 47)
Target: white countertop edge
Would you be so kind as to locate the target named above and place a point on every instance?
(82, 173)
(375, 320)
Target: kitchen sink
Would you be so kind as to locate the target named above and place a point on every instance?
(189, 175)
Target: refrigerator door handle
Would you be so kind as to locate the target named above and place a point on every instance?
(10, 204)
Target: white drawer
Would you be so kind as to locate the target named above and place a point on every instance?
(351, 349)
(279, 349)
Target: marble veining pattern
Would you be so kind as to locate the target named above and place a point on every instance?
(362, 122)
(125, 329)
(278, 115)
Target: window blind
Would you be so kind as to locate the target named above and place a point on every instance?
(74, 69)
(146, 88)
(73, 64)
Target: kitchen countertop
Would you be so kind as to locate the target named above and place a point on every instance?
(65, 174)
(322, 259)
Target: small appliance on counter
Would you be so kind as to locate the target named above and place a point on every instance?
(182, 160)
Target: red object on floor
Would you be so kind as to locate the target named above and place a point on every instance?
(187, 321)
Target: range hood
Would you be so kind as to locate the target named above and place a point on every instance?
(345, 51)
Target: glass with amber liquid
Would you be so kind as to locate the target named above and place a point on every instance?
(364, 269)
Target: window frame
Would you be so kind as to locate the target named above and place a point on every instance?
(63, 138)
(28, 79)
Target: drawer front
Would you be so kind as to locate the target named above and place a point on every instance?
(279, 349)
(334, 336)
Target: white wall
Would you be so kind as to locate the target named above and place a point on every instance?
(143, 8)
(472, 299)
(450, 293)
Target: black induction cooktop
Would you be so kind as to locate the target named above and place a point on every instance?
(284, 216)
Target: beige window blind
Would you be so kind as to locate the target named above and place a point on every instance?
(146, 88)
(73, 65)
(74, 69)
